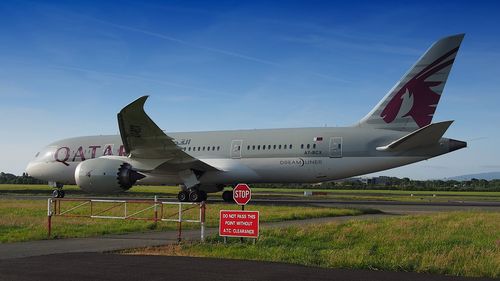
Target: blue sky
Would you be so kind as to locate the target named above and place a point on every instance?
(68, 67)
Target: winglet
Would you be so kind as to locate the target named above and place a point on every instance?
(138, 132)
(149, 147)
(427, 135)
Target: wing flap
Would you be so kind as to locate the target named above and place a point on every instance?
(424, 136)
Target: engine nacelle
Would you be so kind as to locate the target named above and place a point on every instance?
(101, 175)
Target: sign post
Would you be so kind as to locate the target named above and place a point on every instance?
(242, 195)
(239, 223)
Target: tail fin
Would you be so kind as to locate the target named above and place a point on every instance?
(411, 103)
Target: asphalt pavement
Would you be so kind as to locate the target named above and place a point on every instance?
(100, 266)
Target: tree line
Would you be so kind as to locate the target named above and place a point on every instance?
(387, 183)
(6, 178)
(394, 183)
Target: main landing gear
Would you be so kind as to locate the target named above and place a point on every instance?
(192, 195)
(227, 196)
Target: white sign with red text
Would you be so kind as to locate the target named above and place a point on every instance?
(239, 223)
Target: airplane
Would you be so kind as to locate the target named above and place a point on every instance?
(396, 132)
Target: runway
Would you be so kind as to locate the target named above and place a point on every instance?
(393, 207)
(390, 207)
(99, 266)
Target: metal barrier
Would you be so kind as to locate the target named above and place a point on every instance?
(126, 210)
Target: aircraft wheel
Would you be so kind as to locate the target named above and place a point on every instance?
(227, 196)
(195, 196)
(58, 193)
(183, 196)
(203, 195)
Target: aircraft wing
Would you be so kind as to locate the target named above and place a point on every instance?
(424, 136)
(147, 143)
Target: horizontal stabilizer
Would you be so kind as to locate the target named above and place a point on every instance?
(424, 136)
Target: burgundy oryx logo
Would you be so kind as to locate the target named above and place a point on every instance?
(418, 94)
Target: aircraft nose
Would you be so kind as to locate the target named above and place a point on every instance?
(456, 145)
(32, 169)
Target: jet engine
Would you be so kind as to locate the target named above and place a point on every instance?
(101, 175)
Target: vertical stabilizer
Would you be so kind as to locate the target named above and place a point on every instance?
(411, 103)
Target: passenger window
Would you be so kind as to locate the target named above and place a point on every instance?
(284, 146)
(314, 145)
(213, 148)
(274, 146)
(218, 148)
(208, 148)
(253, 147)
(290, 146)
(264, 147)
(308, 146)
(279, 147)
(302, 146)
(258, 147)
(248, 147)
(199, 148)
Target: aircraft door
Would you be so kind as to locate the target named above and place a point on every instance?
(236, 147)
(335, 147)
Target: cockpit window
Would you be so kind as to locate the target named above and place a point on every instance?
(46, 154)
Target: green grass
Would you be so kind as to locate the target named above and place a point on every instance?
(23, 220)
(460, 243)
(75, 191)
(171, 192)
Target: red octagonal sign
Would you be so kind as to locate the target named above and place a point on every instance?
(242, 194)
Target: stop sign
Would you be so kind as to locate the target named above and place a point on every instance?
(242, 194)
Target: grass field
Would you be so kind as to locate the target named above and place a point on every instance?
(171, 191)
(459, 243)
(23, 220)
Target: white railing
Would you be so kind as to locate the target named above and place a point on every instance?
(126, 210)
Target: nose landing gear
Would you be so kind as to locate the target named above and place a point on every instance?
(58, 191)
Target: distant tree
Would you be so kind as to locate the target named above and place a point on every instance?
(6, 178)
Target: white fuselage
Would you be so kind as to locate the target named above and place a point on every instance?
(302, 155)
